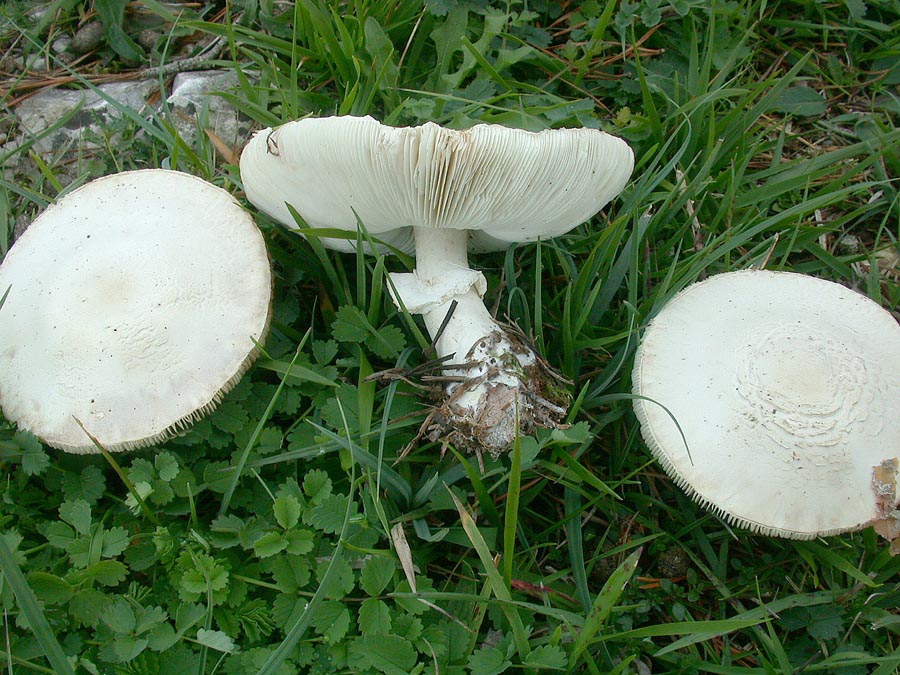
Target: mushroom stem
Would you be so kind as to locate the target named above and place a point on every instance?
(501, 388)
(442, 255)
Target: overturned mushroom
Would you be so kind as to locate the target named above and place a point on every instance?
(441, 193)
(135, 302)
(772, 398)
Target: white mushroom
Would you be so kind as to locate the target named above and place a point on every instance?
(440, 193)
(772, 398)
(134, 304)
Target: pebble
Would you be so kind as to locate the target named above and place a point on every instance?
(88, 38)
(62, 44)
(148, 38)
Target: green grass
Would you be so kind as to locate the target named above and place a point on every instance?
(270, 537)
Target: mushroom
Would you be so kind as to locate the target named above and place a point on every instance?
(772, 398)
(135, 303)
(441, 193)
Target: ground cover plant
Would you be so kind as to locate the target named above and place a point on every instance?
(279, 536)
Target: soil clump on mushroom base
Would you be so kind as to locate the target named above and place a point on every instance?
(521, 391)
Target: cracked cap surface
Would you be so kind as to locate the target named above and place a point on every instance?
(133, 306)
(785, 388)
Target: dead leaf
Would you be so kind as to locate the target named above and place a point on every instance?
(401, 546)
(884, 485)
(224, 149)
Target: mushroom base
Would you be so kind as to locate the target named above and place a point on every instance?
(504, 390)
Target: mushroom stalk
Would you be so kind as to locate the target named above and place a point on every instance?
(499, 388)
(441, 255)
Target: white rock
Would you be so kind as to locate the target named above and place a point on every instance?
(45, 109)
(194, 103)
(37, 63)
(62, 44)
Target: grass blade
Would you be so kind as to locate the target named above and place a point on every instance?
(511, 514)
(32, 610)
(572, 503)
(603, 605)
(242, 462)
(499, 588)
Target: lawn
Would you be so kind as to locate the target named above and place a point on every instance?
(279, 534)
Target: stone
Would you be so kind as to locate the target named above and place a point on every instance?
(36, 63)
(54, 121)
(88, 38)
(92, 112)
(195, 102)
(62, 45)
(148, 38)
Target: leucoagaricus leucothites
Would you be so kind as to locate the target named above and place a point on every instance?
(772, 398)
(135, 303)
(441, 193)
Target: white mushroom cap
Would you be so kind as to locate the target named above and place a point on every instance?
(506, 184)
(134, 305)
(787, 391)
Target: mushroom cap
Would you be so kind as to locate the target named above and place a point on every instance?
(786, 390)
(134, 303)
(506, 185)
